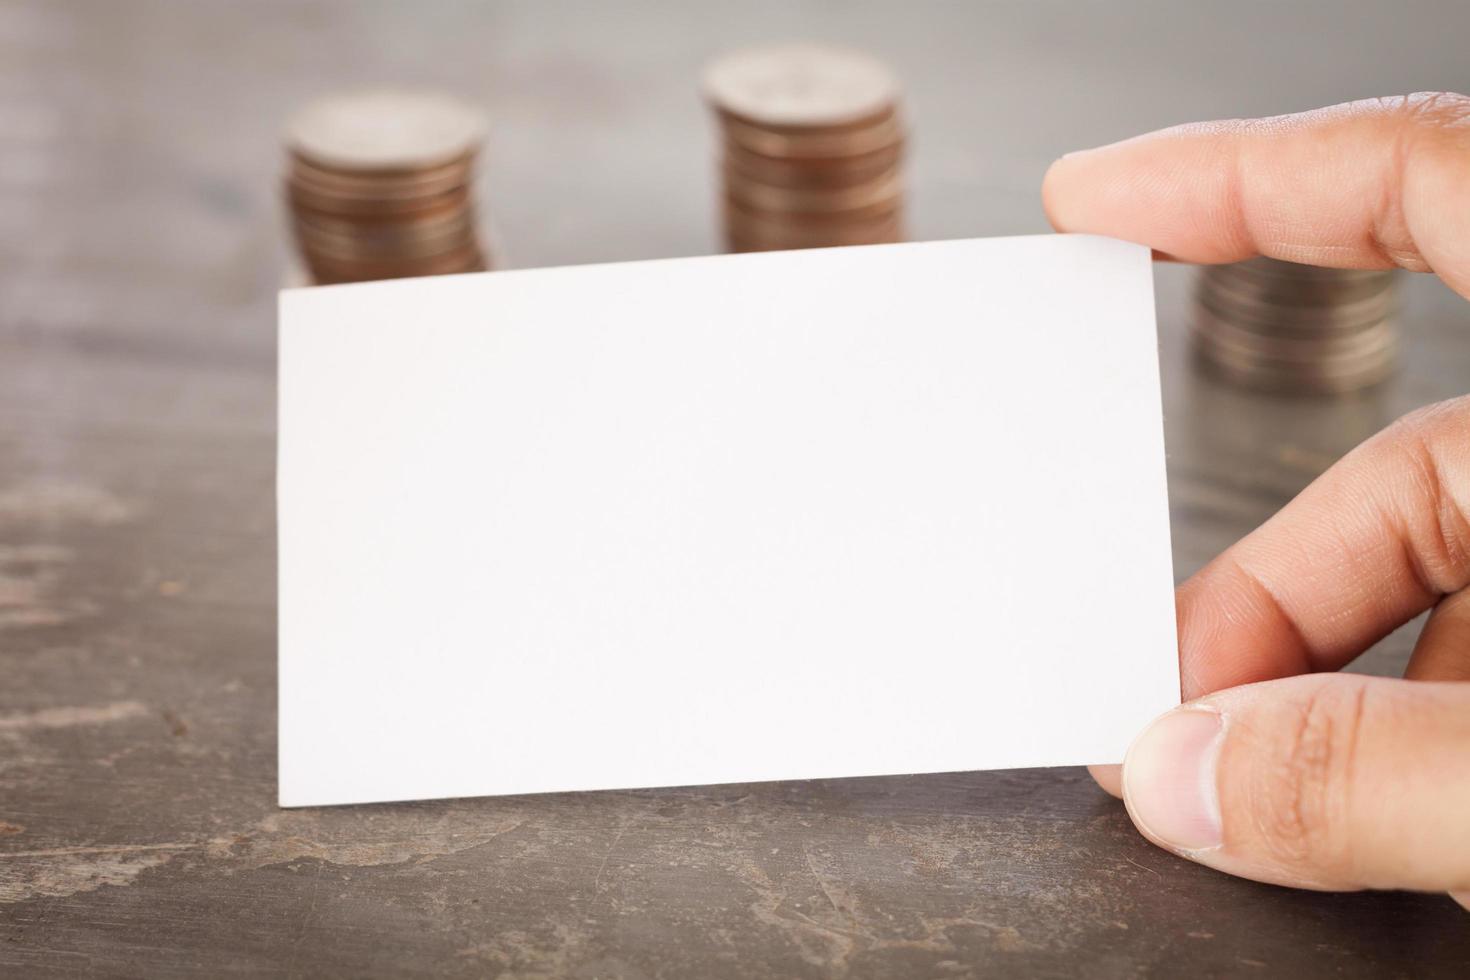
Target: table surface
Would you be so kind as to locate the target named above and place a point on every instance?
(141, 244)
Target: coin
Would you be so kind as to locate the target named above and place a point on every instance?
(1285, 351)
(376, 187)
(1296, 380)
(309, 168)
(1344, 317)
(800, 85)
(812, 172)
(813, 146)
(884, 192)
(383, 246)
(385, 130)
(380, 185)
(1286, 327)
(399, 227)
(1254, 284)
(776, 219)
(327, 269)
(751, 233)
(739, 243)
(311, 199)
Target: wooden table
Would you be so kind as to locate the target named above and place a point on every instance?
(140, 249)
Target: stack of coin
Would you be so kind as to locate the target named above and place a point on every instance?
(813, 147)
(1286, 327)
(380, 186)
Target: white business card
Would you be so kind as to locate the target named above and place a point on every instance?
(841, 512)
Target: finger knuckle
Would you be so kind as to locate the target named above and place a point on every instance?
(1435, 124)
(1428, 445)
(1437, 109)
(1424, 126)
(1305, 793)
(1439, 418)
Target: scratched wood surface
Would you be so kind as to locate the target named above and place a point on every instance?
(140, 247)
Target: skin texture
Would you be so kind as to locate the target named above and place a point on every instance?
(1316, 779)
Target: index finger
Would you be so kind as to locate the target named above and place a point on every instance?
(1369, 545)
(1384, 533)
(1371, 184)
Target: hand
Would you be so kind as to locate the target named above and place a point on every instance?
(1327, 781)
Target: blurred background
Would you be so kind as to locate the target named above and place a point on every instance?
(141, 154)
(141, 141)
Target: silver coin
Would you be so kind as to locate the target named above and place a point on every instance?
(1282, 326)
(1296, 382)
(385, 130)
(1274, 290)
(1304, 350)
(1295, 271)
(1300, 320)
(800, 85)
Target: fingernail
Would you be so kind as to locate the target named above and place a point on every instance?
(1071, 156)
(1169, 779)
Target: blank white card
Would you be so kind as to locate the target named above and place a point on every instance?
(844, 512)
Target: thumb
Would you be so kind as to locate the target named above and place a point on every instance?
(1328, 781)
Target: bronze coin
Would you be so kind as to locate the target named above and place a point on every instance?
(478, 264)
(883, 192)
(462, 259)
(748, 237)
(376, 209)
(393, 226)
(295, 161)
(813, 172)
(740, 213)
(380, 247)
(814, 144)
(357, 188)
